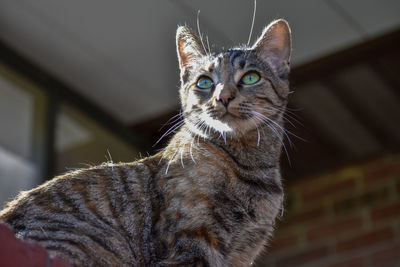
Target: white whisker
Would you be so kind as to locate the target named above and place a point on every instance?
(287, 131)
(198, 29)
(258, 132)
(172, 120)
(183, 166)
(279, 126)
(208, 44)
(170, 161)
(170, 130)
(252, 22)
(166, 170)
(289, 114)
(110, 160)
(161, 158)
(277, 135)
(190, 151)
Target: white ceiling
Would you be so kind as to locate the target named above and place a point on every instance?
(121, 54)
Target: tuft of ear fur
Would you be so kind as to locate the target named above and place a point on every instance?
(274, 46)
(189, 49)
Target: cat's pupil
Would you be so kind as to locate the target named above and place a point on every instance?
(204, 83)
(251, 78)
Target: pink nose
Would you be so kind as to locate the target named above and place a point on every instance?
(225, 97)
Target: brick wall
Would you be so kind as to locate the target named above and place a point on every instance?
(346, 217)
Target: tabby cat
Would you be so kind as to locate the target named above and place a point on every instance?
(210, 198)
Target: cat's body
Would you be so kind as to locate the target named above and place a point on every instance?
(209, 199)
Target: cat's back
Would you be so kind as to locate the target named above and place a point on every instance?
(89, 216)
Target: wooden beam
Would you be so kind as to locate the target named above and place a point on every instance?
(323, 67)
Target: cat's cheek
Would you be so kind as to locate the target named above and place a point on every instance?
(244, 127)
(191, 100)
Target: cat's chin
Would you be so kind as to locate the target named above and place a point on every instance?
(228, 118)
(218, 125)
(224, 124)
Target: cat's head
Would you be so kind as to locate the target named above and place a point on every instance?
(237, 90)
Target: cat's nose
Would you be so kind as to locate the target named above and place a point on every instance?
(225, 97)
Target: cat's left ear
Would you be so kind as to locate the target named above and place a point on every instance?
(189, 49)
(275, 45)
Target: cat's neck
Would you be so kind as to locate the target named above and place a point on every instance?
(261, 145)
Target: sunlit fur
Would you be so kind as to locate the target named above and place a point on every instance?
(210, 198)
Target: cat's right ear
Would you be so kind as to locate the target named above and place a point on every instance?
(275, 45)
(189, 48)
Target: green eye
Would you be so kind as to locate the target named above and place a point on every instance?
(204, 83)
(250, 78)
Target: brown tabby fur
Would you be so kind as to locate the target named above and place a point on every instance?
(209, 199)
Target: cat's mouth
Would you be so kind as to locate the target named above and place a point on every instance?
(229, 114)
(221, 114)
(226, 115)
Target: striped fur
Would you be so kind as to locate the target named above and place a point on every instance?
(210, 198)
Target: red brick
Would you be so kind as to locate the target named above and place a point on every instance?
(362, 199)
(386, 171)
(389, 211)
(333, 229)
(283, 242)
(309, 181)
(356, 262)
(311, 215)
(365, 239)
(387, 255)
(303, 257)
(329, 190)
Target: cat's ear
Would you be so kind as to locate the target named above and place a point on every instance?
(189, 49)
(274, 46)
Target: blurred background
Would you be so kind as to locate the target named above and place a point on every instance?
(83, 82)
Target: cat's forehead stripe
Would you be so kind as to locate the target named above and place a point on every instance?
(235, 55)
(216, 63)
(242, 63)
(211, 67)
